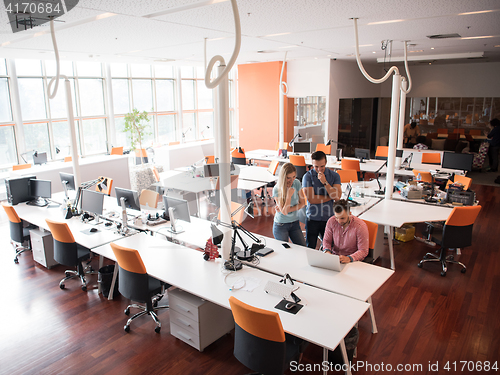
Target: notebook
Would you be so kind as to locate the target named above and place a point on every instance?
(319, 259)
(350, 201)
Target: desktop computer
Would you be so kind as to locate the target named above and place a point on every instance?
(18, 189)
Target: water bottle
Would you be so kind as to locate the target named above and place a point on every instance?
(419, 177)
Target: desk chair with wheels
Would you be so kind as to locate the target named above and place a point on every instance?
(104, 186)
(431, 158)
(347, 175)
(382, 152)
(135, 284)
(210, 159)
(18, 233)
(67, 252)
(260, 343)
(238, 156)
(351, 164)
(466, 181)
(326, 149)
(457, 233)
(141, 156)
(149, 197)
(299, 162)
(425, 176)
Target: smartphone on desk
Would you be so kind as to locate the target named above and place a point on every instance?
(286, 246)
(265, 251)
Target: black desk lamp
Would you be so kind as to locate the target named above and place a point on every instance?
(293, 139)
(380, 191)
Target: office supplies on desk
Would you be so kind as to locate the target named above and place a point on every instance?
(265, 251)
(279, 289)
(316, 258)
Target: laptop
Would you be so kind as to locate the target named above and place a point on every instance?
(319, 259)
(350, 201)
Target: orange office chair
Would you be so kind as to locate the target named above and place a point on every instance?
(457, 233)
(238, 156)
(459, 131)
(20, 166)
(260, 343)
(466, 181)
(141, 153)
(18, 233)
(68, 159)
(299, 163)
(382, 152)
(156, 174)
(326, 149)
(210, 159)
(174, 143)
(424, 176)
(149, 197)
(105, 185)
(135, 284)
(372, 237)
(350, 164)
(67, 252)
(431, 158)
(475, 132)
(116, 151)
(347, 175)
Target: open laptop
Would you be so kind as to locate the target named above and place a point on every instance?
(350, 201)
(319, 259)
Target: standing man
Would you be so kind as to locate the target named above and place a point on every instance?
(321, 187)
(346, 235)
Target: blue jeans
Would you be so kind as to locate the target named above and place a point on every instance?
(282, 231)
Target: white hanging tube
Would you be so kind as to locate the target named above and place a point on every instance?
(283, 91)
(56, 51)
(391, 153)
(406, 91)
(402, 110)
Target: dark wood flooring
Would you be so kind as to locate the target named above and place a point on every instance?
(422, 318)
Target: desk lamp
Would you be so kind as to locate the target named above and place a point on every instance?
(290, 144)
(339, 150)
(380, 191)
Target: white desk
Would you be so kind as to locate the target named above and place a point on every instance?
(186, 269)
(395, 213)
(254, 173)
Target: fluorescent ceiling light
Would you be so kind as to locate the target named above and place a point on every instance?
(265, 36)
(480, 37)
(466, 55)
(384, 22)
(365, 45)
(478, 12)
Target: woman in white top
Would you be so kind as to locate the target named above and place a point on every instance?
(289, 200)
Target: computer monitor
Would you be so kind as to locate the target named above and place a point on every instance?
(452, 160)
(362, 154)
(39, 191)
(303, 147)
(92, 202)
(178, 209)
(68, 181)
(18, 189)
(131, 198)
(39, 158)
(211, 170)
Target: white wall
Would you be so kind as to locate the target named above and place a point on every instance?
(307, 77)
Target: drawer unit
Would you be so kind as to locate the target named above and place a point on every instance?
(43, 247)
(195, 321)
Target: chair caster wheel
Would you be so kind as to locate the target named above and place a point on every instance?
(463, 270)
(16, 261)
(443, 273)
(157, 329)
(84, 288)
(62, 286)
(127, 311)
(126, 328)
(419, 265)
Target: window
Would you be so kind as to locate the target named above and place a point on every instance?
(142, 94)
(206, 125)
(121, 102)
(165, 96)
(164, 71)
(166, 129)
(122, 139)
(118, 70)
(89, 69)
(7, 146)
(189, 126)
(3, 68)
(28, 68)
(65, 68)
(5, 110)
(187, 72)
(58, 106)
(204, 96)
(36, 138)
(140, 70)
(32, 97)
(62, 138)
(94, 136)
(91, 97)
(188, 100)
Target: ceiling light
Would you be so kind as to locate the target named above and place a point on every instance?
(478, 12)
(432, 47)
(183, 8)
(265, 36)
(480, 37)
(266, 51)
(365, 45)
(222, 37)
(419, 50)
(374, 52)
(498, 45)
(384, 22)
(465, 55)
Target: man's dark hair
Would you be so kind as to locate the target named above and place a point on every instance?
(495, 122)
(413, 124)
(421, 139)
(340, 206)
(318, 155)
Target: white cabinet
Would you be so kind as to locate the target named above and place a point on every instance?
(195, 321)
(43, 247)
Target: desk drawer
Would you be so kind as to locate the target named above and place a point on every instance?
(185, 335)
(184, 322)
(184, 303)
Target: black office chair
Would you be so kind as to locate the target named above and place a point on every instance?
(69, 253)
(299, 162)
(456, 233)
(238, 156)
(135, 284)
(19, 234)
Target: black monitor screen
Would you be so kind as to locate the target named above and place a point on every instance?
(40, 188)
(131, 198)
(92, 201)
(40, 158)
(18, 189)
(399, 153)
(452, 160)
(304, 147)
(180, 207)
(362, 153)
(67, 179)
(211, 170)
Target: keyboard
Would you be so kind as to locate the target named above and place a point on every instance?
(158, 221)
(279, 289)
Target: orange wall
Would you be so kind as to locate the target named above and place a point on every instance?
(258, 86)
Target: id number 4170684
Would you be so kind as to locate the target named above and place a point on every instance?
(470, 366)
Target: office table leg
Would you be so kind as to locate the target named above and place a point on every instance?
(325, 359)
(113, 282)
(344, 357)
(391, 246)
(101, 262)
(372, 316)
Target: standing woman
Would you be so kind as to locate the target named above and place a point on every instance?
(289, 200)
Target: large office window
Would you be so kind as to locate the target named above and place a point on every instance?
(32, 97)
(94, 135)
(165, 95)
(142, 94)
(36, 137)
(7, 146)
(91, 97)
(121, 96)
(5, 108)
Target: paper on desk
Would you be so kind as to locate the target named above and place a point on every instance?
(251, 283)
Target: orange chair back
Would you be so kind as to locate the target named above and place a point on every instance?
(141, 153)
(11, 213)
(234, 182)
(238, 152)
(298, 160)
(382, 151)
(431, 158)
(20, 166)
(424, 176)
(326, 149)
(273, 167)
(442, 131)
(209, 159)
(238, 217)
(372, 233)
(149, 197)
(466, 181)
(128, 259)
(285, 146)
(475, 132)
(453, 136)
(432, 135)
(68, 159)
(117, 151)
(347, 175)
(463, 216)
(350, 164)
(105, 186)
(60, 231)
(174, 143)
(157, 175)
(459, 131)
(260, 323)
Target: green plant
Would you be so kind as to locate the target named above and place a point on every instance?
(135, 125)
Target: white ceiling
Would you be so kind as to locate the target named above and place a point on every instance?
(149, 30)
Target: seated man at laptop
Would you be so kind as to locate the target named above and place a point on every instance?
(346, 235)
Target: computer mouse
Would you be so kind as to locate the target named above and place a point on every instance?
(93, 230)
(289, 305)
(108, 224)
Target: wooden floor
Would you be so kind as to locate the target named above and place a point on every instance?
(422, 317)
